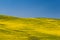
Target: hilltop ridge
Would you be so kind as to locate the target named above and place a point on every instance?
(16, 28)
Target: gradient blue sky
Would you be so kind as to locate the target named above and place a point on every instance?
(31, 8)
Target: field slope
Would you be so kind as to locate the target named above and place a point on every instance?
(14, 28)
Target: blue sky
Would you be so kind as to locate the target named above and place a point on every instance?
(31, 8)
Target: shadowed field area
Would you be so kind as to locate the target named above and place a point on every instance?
(14, 28)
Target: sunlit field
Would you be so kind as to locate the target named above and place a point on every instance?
(15, 28)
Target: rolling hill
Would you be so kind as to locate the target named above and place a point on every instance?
(16, 28)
